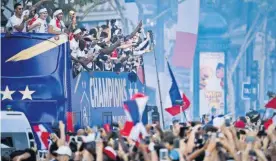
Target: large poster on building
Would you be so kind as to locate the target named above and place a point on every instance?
(211, 82)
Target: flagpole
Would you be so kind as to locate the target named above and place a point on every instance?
(158, 81)
(184, 114)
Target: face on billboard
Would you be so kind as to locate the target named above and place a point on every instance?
(211, 83)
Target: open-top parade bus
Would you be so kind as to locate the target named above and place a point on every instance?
(36, 76)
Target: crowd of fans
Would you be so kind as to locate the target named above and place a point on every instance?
(105, 48)
(102, 48)
(219, 139)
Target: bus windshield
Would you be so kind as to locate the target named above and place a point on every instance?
(19, 57)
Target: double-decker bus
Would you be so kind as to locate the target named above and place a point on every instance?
(36, 78)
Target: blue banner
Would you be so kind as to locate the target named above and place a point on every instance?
(98, 97)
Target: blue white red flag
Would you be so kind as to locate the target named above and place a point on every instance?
(135, 111)
(186, 33)
(175, 96)
(41, 134)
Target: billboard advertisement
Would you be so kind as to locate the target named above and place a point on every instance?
(211, 83)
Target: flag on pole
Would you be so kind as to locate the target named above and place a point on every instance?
(186, 33)
(271, 103)
(175, 96)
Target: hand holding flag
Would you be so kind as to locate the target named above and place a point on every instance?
(134, 109)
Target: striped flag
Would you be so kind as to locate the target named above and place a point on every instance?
(271, 103)
(186, 33)
(41, 134)
(175, 96)
(135, 111)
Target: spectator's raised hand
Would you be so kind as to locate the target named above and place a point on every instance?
(88, 130)
(61, 125)
(271, 132)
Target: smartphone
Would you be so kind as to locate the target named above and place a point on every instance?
(182, 132)
(214, 136)
(249, 139)
(147, 140)
(176, 143)
(163, 155)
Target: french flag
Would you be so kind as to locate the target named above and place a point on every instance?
(41, 134)
(135, 113)
(271, 103)
(186, 33)
(175, 96)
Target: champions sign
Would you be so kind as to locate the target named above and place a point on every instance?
(98, 96)
(211, 83)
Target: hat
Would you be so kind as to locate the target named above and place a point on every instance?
(64, 150)
(240, 124)
(59, 11)
(110, 152)
(77, 31)
(42, 10)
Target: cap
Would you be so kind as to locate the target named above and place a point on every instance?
(57, 12)
(240, 124)
(77, 31)
(64, 150)
(110, 152)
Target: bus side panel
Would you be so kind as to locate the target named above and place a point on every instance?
(97, 98)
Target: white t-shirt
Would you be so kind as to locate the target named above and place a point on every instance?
(43, 28)
(55, 28)
(13, 21)
(74, 46)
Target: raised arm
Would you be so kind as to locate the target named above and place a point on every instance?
(136, 29)
(35, 6)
